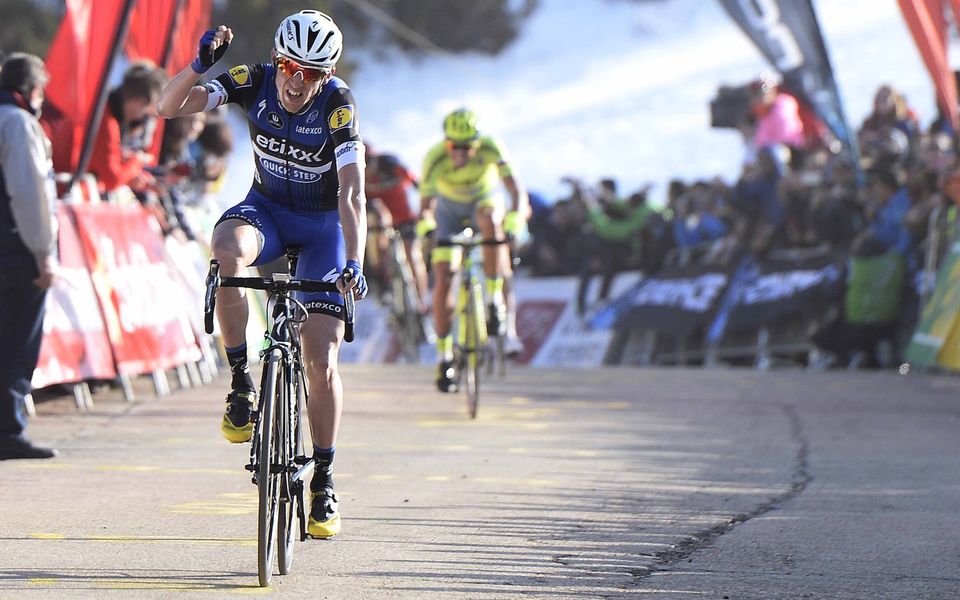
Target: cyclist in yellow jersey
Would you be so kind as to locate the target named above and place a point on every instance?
(460, 183)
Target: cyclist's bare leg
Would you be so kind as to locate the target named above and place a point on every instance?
(490, 229)
(235, 244)
(321, 336)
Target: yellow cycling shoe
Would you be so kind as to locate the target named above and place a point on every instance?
(324, 519)
(236, 425)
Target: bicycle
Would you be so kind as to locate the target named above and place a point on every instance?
(405, 316)
(277, 460)
(470, 343)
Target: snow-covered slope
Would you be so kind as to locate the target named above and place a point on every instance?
(598, 88)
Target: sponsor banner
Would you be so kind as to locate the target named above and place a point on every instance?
(939, 317)
(779, 287)
(553, 334)
(145, 305)
(536, 320)
(677, 301)
(188, 264)
(75, 345)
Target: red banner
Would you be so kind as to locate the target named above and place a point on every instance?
(77, 58)
(144, 304)
(75, 343)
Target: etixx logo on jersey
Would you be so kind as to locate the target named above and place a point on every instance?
(241, 76)
(275, 121)
(341, 117)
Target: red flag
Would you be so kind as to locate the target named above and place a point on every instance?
(162, 31)
(928, 26)
(192, 21)
(76, 61)
(150, 30)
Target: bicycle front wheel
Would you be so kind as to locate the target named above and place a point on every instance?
(289, 430)
(268, 477)
(471, 357)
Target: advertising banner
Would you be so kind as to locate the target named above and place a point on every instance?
(784, 287)
(75, 345)
(677, 301)
(939, 317)
(145, 305)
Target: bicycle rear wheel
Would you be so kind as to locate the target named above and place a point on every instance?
(268, 481)
(288, 438)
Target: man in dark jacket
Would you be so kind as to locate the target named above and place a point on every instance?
(27, 243)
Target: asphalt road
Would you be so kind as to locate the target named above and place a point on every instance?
(614, 483)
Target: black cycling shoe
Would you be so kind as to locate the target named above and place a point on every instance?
(236, 425)
(496, 319)
(324, 519)
(447, 378)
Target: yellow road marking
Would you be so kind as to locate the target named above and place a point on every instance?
(148, 539)
(154, 469)
(151, 583)
(225, 504)
(430, 423)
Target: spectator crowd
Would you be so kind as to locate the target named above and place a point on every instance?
(796, 190)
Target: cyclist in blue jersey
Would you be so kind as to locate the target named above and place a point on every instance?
(307, 191)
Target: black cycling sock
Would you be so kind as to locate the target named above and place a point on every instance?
(323, 472)
(239, 368)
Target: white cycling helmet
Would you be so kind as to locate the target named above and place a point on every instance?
(311, 38)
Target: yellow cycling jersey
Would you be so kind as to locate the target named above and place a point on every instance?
(475, 181)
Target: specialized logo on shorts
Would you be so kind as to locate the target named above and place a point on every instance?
(241, 76)
(275, 121)
(341, 117)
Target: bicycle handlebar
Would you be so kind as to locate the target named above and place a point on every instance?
(268, 284)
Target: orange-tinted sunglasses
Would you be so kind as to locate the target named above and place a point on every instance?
(291, 67)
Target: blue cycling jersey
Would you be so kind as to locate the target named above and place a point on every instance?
(295, 154)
